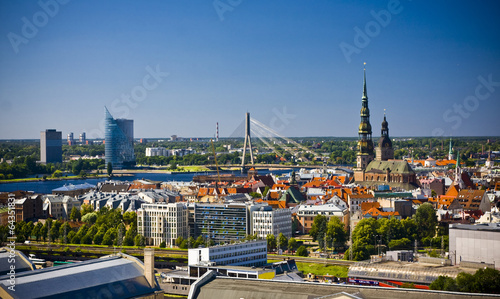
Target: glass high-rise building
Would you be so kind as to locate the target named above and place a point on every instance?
(51, 146)
(119, 141)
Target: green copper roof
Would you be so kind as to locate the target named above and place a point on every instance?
(394, 167)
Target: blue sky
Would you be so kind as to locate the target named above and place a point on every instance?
(178, 67)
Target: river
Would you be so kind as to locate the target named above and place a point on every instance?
(46, 187)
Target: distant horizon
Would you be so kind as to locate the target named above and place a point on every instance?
(256, 139)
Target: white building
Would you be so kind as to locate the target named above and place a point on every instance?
(157, 151)
(162, 222)
(267, 221)
(59, 206)
(250, 253)
(475, 243)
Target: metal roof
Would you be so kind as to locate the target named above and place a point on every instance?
(107, 277)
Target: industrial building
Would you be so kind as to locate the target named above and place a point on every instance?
(475, 244)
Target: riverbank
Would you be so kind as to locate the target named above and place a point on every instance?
(73, 177)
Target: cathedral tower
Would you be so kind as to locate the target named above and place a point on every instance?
(384, 150)
(365, 144)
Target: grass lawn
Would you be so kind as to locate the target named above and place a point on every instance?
(192, 168)
(320, 269)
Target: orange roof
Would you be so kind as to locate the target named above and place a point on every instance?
(366, 206)
(376, 212)
(452, 191)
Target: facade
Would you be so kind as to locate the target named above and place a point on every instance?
(475, 243)
(267, 221)
(119, 141)
(221, 222)
(365, 144)
(58, 206)
(29, 207)
(436, 184)
(162, 222)
(250, 253)
(51, 146)
(306, 214)
(395, 173)
(157, 151)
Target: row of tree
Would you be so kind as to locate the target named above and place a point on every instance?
(483, 281)
(106, 227)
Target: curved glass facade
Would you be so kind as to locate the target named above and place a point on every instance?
(119, 141)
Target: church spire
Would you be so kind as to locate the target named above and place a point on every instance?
(365, 94)
(365, 144)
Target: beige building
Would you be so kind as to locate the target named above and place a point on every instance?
(59, 206)
(162, 222)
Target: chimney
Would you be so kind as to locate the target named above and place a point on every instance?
(149, 266)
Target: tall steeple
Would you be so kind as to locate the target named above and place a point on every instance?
(450, 152)
(384, 150)
(365, 144)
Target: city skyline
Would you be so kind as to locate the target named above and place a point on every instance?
(178, 68)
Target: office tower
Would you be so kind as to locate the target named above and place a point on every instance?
(51, 146)
(119, 141)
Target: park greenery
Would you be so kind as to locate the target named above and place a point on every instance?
(483, 281)
(105, 227)
(371, 236)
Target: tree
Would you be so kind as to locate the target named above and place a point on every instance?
(282, 241)
(109, 237)
(444, 283)
(63, 232)
(37, 231)
(336, 235)
(292, 244)
(184, 244)
(487, 280)
(90, 218)
(129, 217)
(87, 239)
(179, 241)
(75, 214)
(318, 229)
(403, 243)
(302, 251)
(426, 220)
(98, 238)
(85, 209)
(163, 244)
(139, 241)
(110, 169)
(271, 242)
